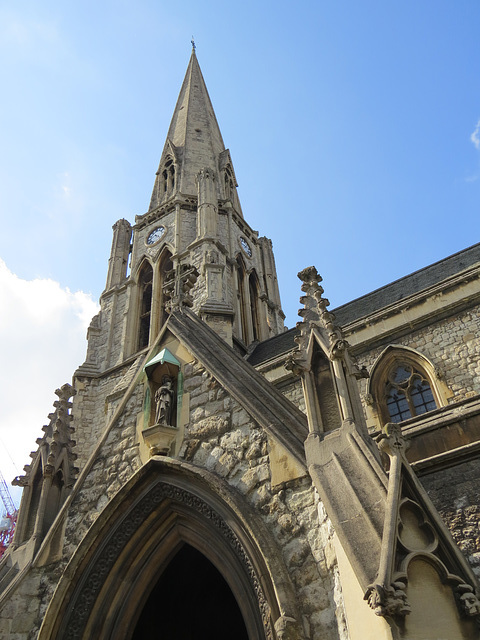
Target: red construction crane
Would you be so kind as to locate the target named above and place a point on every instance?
(9, 519)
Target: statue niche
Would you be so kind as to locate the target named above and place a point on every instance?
(160, 407)
(164, 402)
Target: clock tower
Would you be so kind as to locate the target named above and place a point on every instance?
(193, 246)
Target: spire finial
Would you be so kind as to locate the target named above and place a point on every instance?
(194, 46)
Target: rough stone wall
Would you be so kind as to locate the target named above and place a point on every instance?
(456, 494)
(118, 319)
(188, 232)
(222, 228)
(91, 411)
(222, 438)
(293, 390)
(19, 617)
(452, 345)
(117, 461)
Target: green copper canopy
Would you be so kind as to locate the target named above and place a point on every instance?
(163, 356)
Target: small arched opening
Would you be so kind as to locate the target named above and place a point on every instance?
(168, 177)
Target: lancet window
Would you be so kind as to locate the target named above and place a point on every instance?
(242, 300)
(253, 290)
(168, 176)
(229, 184)
(145, 281)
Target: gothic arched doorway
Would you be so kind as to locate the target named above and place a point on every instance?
(191, 601)
(163, 539)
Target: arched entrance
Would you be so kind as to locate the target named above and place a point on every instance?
(168, 547)
(191, 601)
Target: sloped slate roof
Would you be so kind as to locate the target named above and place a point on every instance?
(273, 347)
(376, 300)
(408, 285)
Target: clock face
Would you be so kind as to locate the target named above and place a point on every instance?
(155, 235)
(246, 247)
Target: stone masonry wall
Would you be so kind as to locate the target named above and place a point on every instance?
(452, 345)
(456, 494)
(90, 407)
(293, 390)
(21, 616)
(222, 438)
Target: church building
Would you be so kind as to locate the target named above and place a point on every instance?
(210, 474)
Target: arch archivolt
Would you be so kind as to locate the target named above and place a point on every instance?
(165, 505)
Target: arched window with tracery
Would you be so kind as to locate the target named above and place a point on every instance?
(407, 392)
(404, 384)
(145, 283)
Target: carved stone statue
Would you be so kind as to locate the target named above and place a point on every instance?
(164, 401)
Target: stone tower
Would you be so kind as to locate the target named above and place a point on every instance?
(192, 246)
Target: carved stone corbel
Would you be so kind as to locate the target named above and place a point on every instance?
(468, 602)
(287, 628)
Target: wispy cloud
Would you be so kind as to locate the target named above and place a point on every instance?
(22, 32)
(42, 341)
(475, 136)
(65, 186)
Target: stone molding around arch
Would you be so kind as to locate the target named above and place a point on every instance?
(119, 562)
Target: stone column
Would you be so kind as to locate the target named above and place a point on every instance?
(207, 204)
(118, 262)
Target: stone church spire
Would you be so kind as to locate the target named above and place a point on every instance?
(193, 143)
(194, 227)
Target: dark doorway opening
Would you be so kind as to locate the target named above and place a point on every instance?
(191, 601)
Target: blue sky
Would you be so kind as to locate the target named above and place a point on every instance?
(353, 127)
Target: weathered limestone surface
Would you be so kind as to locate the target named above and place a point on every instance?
(238, 441)
(456, 494)
(292, 389)
(92, 408)
(452, 345)
(114, 464)
(222, 438)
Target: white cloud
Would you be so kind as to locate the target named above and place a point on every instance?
(42, 341)
(475, 137)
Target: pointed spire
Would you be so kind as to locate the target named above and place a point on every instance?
(194, 141)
